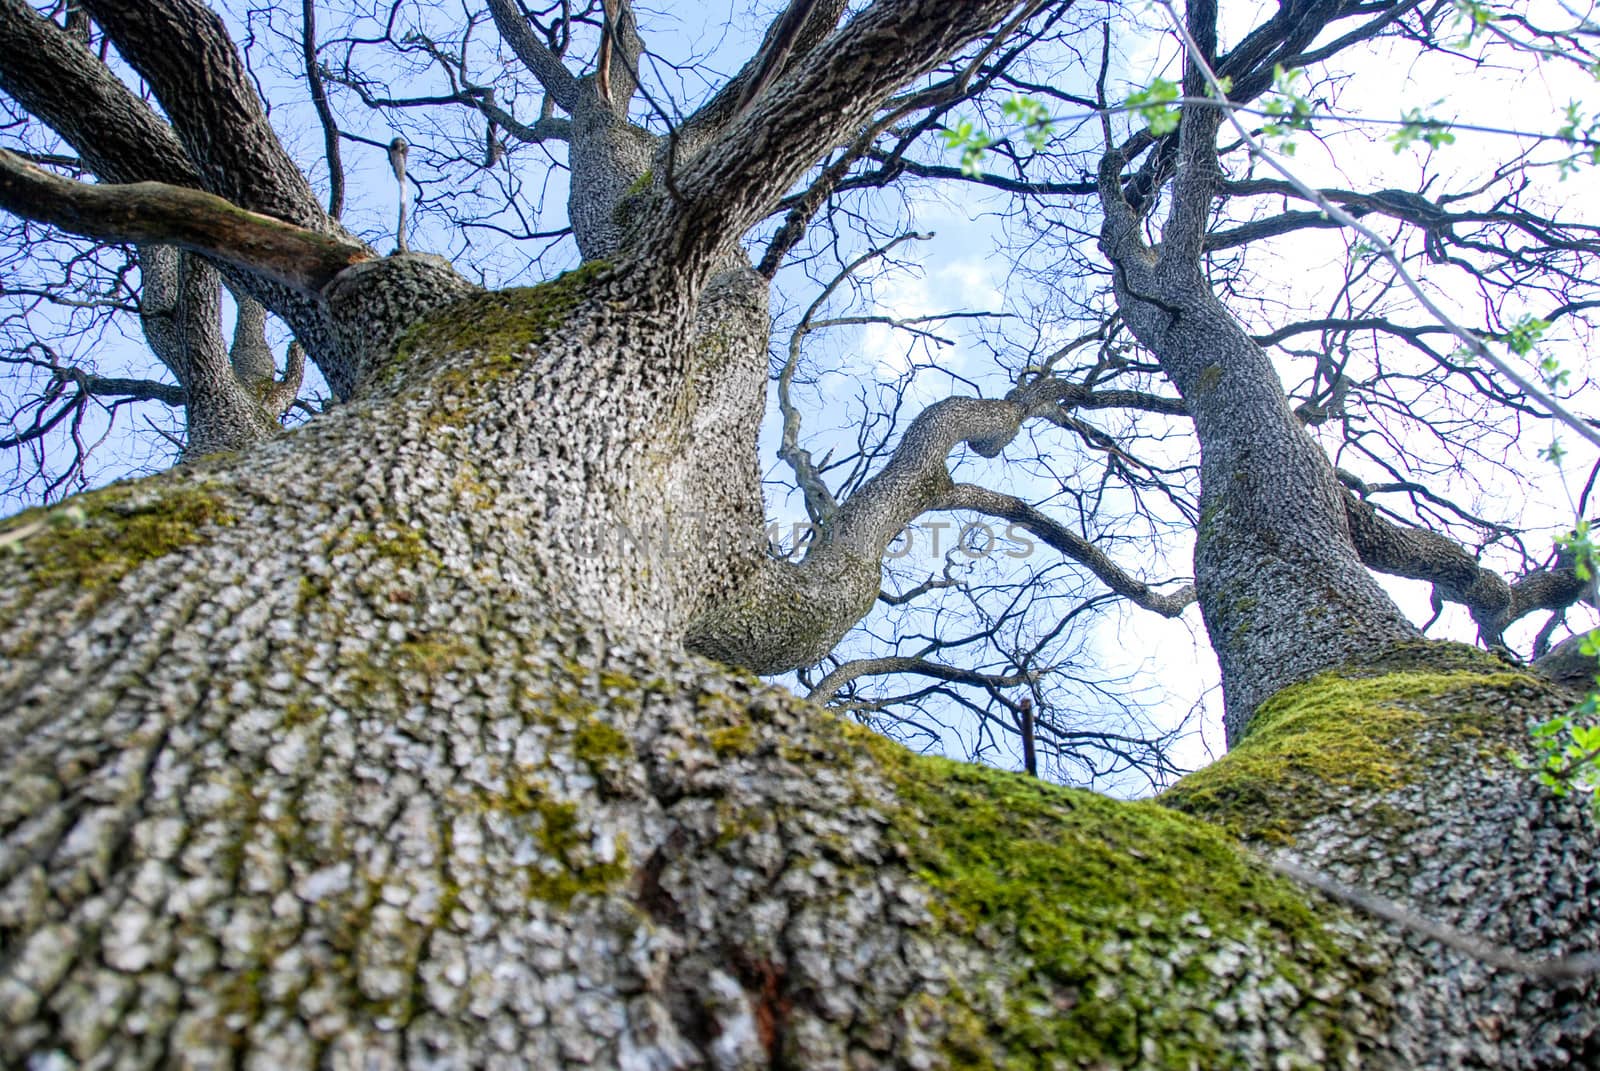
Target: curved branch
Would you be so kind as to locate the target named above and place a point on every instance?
(1455, 574)
(545, 65)
(790, 615)
(173, 215)
(1069, 543)
(829, 686)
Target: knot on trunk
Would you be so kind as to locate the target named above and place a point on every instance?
(374, 301)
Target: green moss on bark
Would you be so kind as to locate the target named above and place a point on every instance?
(1116, 908)
(1363, 731)
(95, 539)
(570, 866)
(498, 328)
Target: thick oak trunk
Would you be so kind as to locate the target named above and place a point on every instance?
(379, 745)
(379, 749)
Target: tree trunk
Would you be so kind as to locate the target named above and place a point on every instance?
(1281, 585)
(378, 745)
(378, 749)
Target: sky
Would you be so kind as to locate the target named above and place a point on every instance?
(962, 267)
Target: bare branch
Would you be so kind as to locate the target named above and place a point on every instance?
(154, 212)
(1060, 538)
(319, 97)
(182, 49)
(829, 686)
(544, 64)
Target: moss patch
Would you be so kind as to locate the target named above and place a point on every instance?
(498, 327)
(597, 743)
(95, 539)
(731, 740)
(569, 867)
(1338, 733)
(1117, 906)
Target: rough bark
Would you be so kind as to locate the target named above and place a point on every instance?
(378, 745)
(370, 750)
(180, 307)
(1281, 585)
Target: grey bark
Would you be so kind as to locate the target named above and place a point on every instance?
(1281, 585)
(386, 759)
(180, 307)
(374, 747)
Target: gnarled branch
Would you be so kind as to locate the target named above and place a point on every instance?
(173, 215)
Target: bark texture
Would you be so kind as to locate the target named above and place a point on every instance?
(359, 754)
(1282, 587)
(379, 746)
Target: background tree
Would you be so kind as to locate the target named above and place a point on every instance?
(371, 741)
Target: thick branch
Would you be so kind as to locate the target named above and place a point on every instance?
(182, 49)
(137, 390)
(121, 139)
(805, 34)
(785, 35)
(733, 182)
(57, 79)
(1195, 184)
(172, 215)
(1419, 554)
(545, 65)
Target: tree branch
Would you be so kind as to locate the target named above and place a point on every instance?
(182, 49)
(172, 215)
(119, 137)
(1420, 554)
(736, 95)
(1069, 543)
(545, 65)
(319, 97)
(783, 37)
(829, 686)
(734, 180)
(1194, 187)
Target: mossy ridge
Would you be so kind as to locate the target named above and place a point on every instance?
(94, 539)
(497, 327)
(1115, 906)
(1340, 732)
(570, 866)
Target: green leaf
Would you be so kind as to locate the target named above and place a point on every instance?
(1154, 106)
